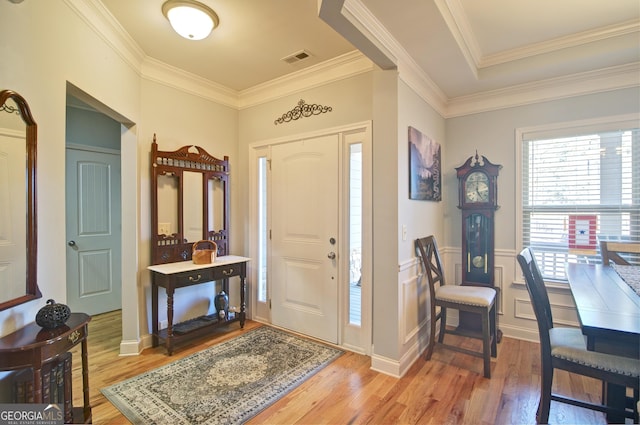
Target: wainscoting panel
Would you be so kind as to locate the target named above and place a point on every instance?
(563, 314)
(414, 297)
(414, 300)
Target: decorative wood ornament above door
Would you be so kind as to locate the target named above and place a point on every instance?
(303, 110)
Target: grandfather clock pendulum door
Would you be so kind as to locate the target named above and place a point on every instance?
(478, 200)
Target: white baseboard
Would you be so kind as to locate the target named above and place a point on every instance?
(385, 365)
(516, 332)
(130, 347)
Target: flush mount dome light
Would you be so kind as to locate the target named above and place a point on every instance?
(191, 19)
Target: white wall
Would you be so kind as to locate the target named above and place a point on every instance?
(57, 46)
(399, 304)
(50, 45)
(386, 309)
(180, 119)
(421, 218)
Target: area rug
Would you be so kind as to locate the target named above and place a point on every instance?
(225, 384)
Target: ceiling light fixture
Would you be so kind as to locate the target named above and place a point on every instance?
(191, 19)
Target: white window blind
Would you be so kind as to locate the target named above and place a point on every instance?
(577, 183)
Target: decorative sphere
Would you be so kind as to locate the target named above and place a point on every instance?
(52, 315)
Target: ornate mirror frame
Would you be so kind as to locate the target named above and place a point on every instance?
(32, 291)
(176, 246)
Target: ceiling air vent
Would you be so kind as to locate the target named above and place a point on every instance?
(297, 57)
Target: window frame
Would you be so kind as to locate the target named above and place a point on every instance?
(559, 130)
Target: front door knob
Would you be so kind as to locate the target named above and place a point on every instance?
(332, 255)
(72, 243)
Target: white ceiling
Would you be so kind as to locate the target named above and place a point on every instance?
(245, 49)
(463, 47)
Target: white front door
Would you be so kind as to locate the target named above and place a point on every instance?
(304, 224)
(93, 206)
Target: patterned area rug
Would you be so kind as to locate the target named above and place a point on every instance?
(226, 384)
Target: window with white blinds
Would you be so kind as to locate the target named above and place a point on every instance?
(580, 185)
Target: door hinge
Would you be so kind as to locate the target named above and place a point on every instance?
(269, 163)
(269, 234)
(269, 303)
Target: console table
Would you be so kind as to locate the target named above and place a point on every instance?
(35, 347)
(171, 276)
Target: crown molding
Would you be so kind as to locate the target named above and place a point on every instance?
(96, 16)
(408, 69)
(344, 17)
(344, 66)
(574, 40)
(419, 81)
(613, 78)
(100, 20)
(607, 79)
(170, 76)
(368, 25)
(456, 20)
(453, 13)
(104, 24)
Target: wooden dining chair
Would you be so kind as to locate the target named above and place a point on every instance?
(474, 299)
(610, 252)
(566, 349)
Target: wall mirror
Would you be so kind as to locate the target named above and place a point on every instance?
(189, 202)
(18, 231)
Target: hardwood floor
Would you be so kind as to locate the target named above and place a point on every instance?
(448, 389)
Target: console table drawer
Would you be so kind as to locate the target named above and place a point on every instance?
(202, 275)
(61, 345)
(193, 277)
(228, 271)
(206, 275)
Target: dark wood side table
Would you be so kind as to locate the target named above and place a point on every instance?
(33, 347)
(172, 276)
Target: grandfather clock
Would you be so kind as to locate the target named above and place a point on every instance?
(478, 200)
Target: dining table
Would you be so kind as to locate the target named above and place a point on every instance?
(608, 308)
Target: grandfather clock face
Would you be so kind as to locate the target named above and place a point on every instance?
(477, 186)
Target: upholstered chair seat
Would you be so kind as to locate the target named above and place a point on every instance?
(569, 344)
(468, 295)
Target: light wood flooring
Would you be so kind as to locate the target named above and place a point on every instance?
(448, 389)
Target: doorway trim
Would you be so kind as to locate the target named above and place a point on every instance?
(132, 316)
(351, 337)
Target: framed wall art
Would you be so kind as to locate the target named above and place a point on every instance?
(425, 177)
